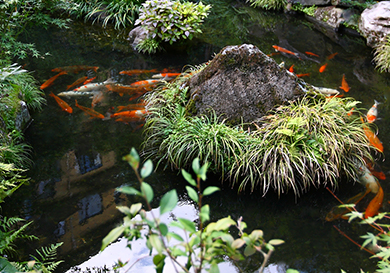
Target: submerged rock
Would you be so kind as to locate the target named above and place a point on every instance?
(242, 84)
(375, 23)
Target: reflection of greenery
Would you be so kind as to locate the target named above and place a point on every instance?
(360, 5)
(382, 55)
(308, 142)
(308, 10)
(268, 4)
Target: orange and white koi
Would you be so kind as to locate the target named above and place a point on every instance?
(145, 83)
(344, 85)
(281, 49)
(97, 98)
(51, 80)
(372, 138)
(373, 112)
(130, 114)
(311, 53)
(64, 106)
(322, 68)
(137, 71)
(75, 68)
(89, 111)
(77, 82)
(331, 56)
(375, 204)
(165, 75)
(94, 86)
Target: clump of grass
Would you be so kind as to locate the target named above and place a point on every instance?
(382, 55)
(268, 4)
(308, 142)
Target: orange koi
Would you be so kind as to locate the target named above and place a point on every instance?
(88, 80)
(130, 114)
(281, 49)
(379, 175)
(291, 69)
(331, 56)
(77, 82)
(129, 119)
(373, 112)
(165, 75)
(372, 138)
(51, 80)
(322, 68)
(337, 212)
(344, 85)
(145, 83)
(303, 75)
(137, 71)
(89, 111)
(375, 204)
(125, 89)
(273, 54)
(137, 106)
(311, 53)
(64, 106)
(350, 113)
(75, 68)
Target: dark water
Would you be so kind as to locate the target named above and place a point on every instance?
(78, 164)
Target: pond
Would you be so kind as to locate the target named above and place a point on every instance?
(78, 165)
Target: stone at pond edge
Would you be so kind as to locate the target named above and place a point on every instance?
(22, 117)
(242, 84)
(375, 23)
(137, 35)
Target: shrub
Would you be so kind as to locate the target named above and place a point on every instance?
(170, 21)
(268, 4)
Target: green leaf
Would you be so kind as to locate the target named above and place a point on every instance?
(132, 159)
(6, 266)
(238, 243)
(163, 228)
(249, 250)
(147, 191)
(175, 236)
(187, 224)
(196, 166)
(276, 242)
(159, 262)
(155, 241)
(210, 190)
(168, 202)
(112, 236)
(290, 270)
(129, 190)
(256, 234)
(286, 132)
(214, 267)
(204, 214)
(188, 177)
(203, 171)
(192, 194)
(124, 209)
(224, 223)
(135, 208)
(147, 168)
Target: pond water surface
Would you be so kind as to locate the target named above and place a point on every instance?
(78, 165)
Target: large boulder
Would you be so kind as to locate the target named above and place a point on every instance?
(241, 83)
(375, 23)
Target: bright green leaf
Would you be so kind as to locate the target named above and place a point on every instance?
(159, 262)
(214, 267)
(132, 159)
(135, 208)
(155, 241)
(188, 177)
(175, 236)
(192, 194)
(163, 229)
(224, 223)
(249, 250)
(112, 236)
(147, 168)
(204, 213)
(196, 166)
(210, 190)
(187, 224)
(168, 202)
(238, 243)
(129, 190)
(276, 242)
(147, 191)
(290, 270)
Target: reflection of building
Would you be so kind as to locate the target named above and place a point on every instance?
(75, 168)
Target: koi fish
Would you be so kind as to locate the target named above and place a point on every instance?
(302, 75)
(125, 89)
(145, 83)
(128, 119)
(137, 106)
(88, 80)
(137, 71)
(344, 85)
(366, 178)
(322, 68)
(273, 54)
(311, 53)
(97, 97)
(51, 80)
(373, 112)
(281, 49)
(165, 75)
(372, 138)
(75, 68)
(130, 114)
(77, 82)
(338, 212)
(64, 106)
(350, 113)
(77, 93)
(94, 86)
(378, 174)
(375, 204)
(326, 91)
(89, 111)
(291, 69)
(331, 56)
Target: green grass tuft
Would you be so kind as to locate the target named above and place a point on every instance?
(382, 55)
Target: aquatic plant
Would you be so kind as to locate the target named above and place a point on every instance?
(268, 4)
(311, 141)
(202, 246)
(170, 21)
(382, 55)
